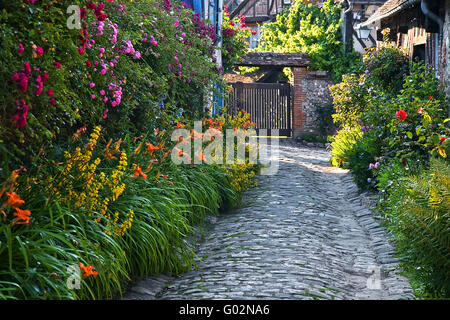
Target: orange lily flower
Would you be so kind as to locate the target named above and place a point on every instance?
(151, 148)
(138, 172)
(110, 156)
(22, 215)
(88, 270)
(14, 200)
(179, 125)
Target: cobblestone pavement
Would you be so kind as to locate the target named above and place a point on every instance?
(304, 233)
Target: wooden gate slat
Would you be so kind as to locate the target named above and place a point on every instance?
(269, 104)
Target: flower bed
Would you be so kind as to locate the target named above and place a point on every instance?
(89, 196)
(394, 138)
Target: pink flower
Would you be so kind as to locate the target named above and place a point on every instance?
(88, 64)
(45, 77)
(93, 96)
(81, 51)
(22, 112)
(57, 65)
(23, 83)
(176, 24)
(103, 72)
(27, 68)
(39, 51)
(102, 92)
(52, 102)
(137, 55)
(15, 77)
(91, 85)
(102, 50)
(50, 92)
(21, 49)
(38, 91)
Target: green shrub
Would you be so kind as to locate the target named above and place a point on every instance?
(350, 98)
(343, 141)
(417, 212)
(386, 67)
(361, 158)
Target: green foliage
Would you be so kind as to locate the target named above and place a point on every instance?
(417, 213)
(349, 99)
(397, 113)
(235, 39)
(387, 65)
(313, 30)
(343, 141)
(364, 152)
(165, 74)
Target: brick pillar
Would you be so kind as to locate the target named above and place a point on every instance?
(299, 117)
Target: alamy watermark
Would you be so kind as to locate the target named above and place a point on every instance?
(74, 279)
(374, 280)
(74, 20)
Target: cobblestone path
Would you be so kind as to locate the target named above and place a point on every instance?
(304, 233)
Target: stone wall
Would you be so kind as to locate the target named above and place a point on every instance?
(316, 84)
(311, 88)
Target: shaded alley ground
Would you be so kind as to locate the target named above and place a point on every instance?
(304, 233)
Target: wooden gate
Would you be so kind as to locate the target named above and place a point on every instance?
(269, 105)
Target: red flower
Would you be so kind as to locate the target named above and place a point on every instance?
(88, 64)
(81, 51)
(443, 139)
(52, 102)
(91, 5)
(57, 65)
(44, 77)
(401, 115)
(39, 51)
(420, 110)
(50, 92)
(430, 97)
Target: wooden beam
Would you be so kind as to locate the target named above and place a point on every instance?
(275, 59)
(236, 11)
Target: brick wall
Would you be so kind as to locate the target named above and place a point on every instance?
(310, 88)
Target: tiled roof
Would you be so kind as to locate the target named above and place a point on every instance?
(388, 9)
